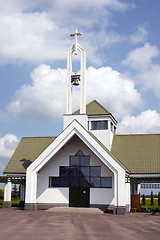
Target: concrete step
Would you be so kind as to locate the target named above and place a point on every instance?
(75, 210)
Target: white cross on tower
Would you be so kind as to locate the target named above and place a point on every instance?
(75, 35)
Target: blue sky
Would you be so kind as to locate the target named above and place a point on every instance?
(121, 39)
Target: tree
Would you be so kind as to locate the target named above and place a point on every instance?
(159, 199)
(143, 200)
(14, 192)
(152, 200)
(1, 193)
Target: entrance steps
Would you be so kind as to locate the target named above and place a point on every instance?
(77, 210)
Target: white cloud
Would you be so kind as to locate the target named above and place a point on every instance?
(39, 30)
(141, 58)
(113, 90)
(140, 35)
(8, 143)
(147, 73)
(151, 79)
(45, 97)
(147, 122)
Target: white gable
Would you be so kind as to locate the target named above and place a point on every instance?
(75, 129)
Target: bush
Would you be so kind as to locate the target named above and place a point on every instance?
(152, 200)
(159, 199)
(143, 200)
(1, 193)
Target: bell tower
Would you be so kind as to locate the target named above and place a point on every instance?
(76, 79)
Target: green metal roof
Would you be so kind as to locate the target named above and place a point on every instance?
(94, 108)
(27, 151)
(140, 153)
(136, 153)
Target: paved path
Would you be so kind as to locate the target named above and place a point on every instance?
(69, 225)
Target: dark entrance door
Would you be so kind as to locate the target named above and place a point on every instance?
(79, 197)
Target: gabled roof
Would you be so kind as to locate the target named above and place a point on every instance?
(74, 128)
(140, 153)
(27, 151)
(94, 108)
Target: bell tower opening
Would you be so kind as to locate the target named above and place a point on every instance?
(76, 78)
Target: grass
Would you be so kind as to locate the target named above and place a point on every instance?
(154, 208)
(15, 202)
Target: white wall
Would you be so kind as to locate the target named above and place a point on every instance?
(102, 196)
(81, 118)
(54, 195)
(61, 195)
(105, 136)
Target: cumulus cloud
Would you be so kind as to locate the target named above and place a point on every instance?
(140, 35)
(147, 73)
(8, 144)
(140, 58)
(38, 30)
(147, 122)
(151, 79)
(45, 97)
(112, 89)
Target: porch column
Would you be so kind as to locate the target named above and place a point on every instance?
(7, 194)
(31, 191)
(138, 188)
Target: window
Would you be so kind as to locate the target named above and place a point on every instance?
(79, 174)
(106, 182)
(99, 125)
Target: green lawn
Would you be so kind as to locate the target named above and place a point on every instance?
(155, 207)
(15, 202)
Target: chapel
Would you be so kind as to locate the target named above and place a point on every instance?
(88, 164)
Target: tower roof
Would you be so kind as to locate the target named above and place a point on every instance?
(95, 108)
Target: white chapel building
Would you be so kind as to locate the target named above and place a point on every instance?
(87, 164)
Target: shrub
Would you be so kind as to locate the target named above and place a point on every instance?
(159, 199)
(152, 200)
(1, 193)
(143, 200)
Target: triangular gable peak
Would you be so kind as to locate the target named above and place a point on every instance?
(75, 129)
(55, 148)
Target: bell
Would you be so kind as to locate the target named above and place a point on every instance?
(75, 80)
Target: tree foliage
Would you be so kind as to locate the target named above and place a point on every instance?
(152, 199)
(143, 200)
(15, 193)
(1, 193)
(159, 199)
